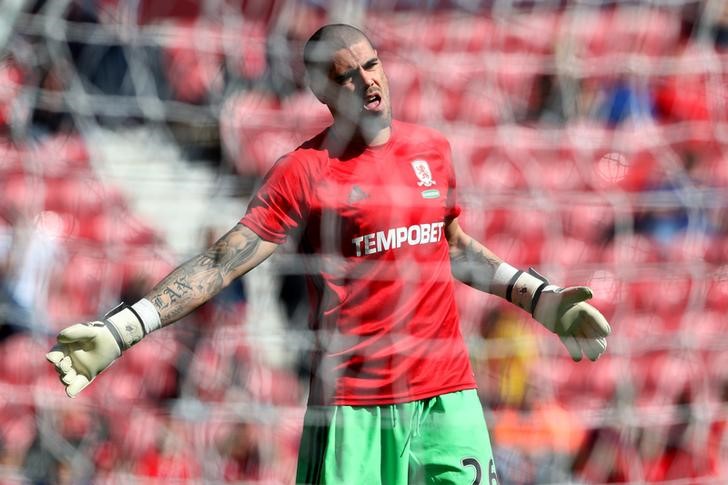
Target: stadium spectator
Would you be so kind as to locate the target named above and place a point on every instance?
(545, 102)
(13, 317)
(682, 446)
(510, 352)
(241, 454)
(372, 201)
(720, 30)
(607, 455)
(625, 100)
(25, 271)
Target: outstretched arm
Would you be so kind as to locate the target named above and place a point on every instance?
(202, 277)
(85, 349)
(564, 311)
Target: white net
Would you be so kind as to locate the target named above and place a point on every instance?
(590, 140)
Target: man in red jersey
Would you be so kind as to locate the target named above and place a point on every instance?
(372, 202)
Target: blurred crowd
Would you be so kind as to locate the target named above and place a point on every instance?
(589, 140)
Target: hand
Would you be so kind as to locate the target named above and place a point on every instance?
(82, 352)
(581, 327)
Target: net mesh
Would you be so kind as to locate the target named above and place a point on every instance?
(589, 141)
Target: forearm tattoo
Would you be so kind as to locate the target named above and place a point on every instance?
(201, 278)
(473, 265)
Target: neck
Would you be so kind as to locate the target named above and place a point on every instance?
(366, 134)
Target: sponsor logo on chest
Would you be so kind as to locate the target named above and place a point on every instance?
(397, 237)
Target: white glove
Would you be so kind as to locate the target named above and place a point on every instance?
(564, 311)
(84, 350)
(580, 326)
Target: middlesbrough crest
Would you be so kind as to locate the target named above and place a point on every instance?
(422, 170)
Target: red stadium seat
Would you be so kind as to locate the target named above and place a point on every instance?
(570, 252)
(516, 34)
(510, 249)
(257, 129)
(11, 157)
(592, 222)
(21, 371)
(194, 60)
(625, 250)
(666, 295)
(688, 247)
(248, 57)
(21, 191)
(59, 155)
(497, 170)
(136, 429)
(93, 281)
(713, 171)
(18, 425)
(147, 263)
(274, 386)
(717, 291)
(608, 290)
(558, 170)
(410, 102)
(717, 251)
(12, 78)
(82, 195)
(401, 33)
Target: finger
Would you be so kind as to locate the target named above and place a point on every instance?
(594, 321)
(65, 365)
(572, 345)
(69, 377)
(76, 332)
(592, 344)
(583, 324)
(78, 385)
(55, 355)
(593, 348)
(575, 294)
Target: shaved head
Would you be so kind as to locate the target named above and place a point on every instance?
(321, 46)
(345, 73)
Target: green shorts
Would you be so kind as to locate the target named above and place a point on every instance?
(443, 439)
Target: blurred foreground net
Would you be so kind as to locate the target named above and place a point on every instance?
(590, 140)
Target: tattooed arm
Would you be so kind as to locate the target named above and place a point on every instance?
(202, 277)
(564, 311)
(84, 350)
(472, 263)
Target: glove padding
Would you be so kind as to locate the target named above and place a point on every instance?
(82, 352)
(580, 326)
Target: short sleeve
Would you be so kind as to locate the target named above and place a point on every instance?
(281, 203)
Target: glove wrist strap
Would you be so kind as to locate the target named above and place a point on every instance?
(130, 324)
(537, 293)
(521, 288)
(148, 315)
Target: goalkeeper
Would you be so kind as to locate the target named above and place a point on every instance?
(372, 202)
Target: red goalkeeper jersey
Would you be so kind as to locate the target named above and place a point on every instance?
(370, 228)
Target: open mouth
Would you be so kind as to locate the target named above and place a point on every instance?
(372, 101)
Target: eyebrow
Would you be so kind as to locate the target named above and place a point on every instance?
(346, 74)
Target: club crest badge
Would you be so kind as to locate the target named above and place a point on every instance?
(424, 175)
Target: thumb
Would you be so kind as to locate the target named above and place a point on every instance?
(575, 294)
(55, 355)
(75, 333)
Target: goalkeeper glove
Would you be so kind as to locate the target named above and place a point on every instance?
(564, 311)
(84, 350)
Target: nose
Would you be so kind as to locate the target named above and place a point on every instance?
(367, 78)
